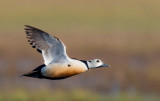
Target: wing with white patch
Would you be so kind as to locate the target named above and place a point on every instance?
(51, 47)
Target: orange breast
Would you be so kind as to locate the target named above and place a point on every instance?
(65, 71)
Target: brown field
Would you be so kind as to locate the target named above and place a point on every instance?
(124, 34)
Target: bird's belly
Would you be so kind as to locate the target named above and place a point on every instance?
(63, 72)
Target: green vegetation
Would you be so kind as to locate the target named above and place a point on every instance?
(76, 95)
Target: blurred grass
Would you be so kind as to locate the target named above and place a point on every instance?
(96, 15)
(74, 95)
(123, 33)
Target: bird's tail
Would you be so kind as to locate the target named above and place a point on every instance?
(36, 73)
(33, 74)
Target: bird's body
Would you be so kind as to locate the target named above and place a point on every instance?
(57, 64)
(60, 70)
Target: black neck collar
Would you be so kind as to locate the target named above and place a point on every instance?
(85, 62)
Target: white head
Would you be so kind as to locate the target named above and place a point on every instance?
(96, 63)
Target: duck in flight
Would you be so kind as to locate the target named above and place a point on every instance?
(57, 64)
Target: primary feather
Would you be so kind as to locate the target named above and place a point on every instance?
(51, 47)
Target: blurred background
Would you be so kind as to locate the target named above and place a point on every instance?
(123, 33)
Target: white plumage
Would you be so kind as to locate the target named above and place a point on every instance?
(57, 64)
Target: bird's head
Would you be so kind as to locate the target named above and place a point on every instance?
(96, 63)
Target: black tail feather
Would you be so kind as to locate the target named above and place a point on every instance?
(33, 74)
(36, 73)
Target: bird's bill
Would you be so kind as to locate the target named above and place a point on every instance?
(105, 65)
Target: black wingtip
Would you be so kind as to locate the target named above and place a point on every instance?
(27, 26)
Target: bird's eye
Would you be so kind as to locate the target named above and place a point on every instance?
(97, 60)
(89, 61)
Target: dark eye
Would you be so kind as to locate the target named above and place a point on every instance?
(97, 60)
(89, 61)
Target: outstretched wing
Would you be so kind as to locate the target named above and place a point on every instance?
(51, 47)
